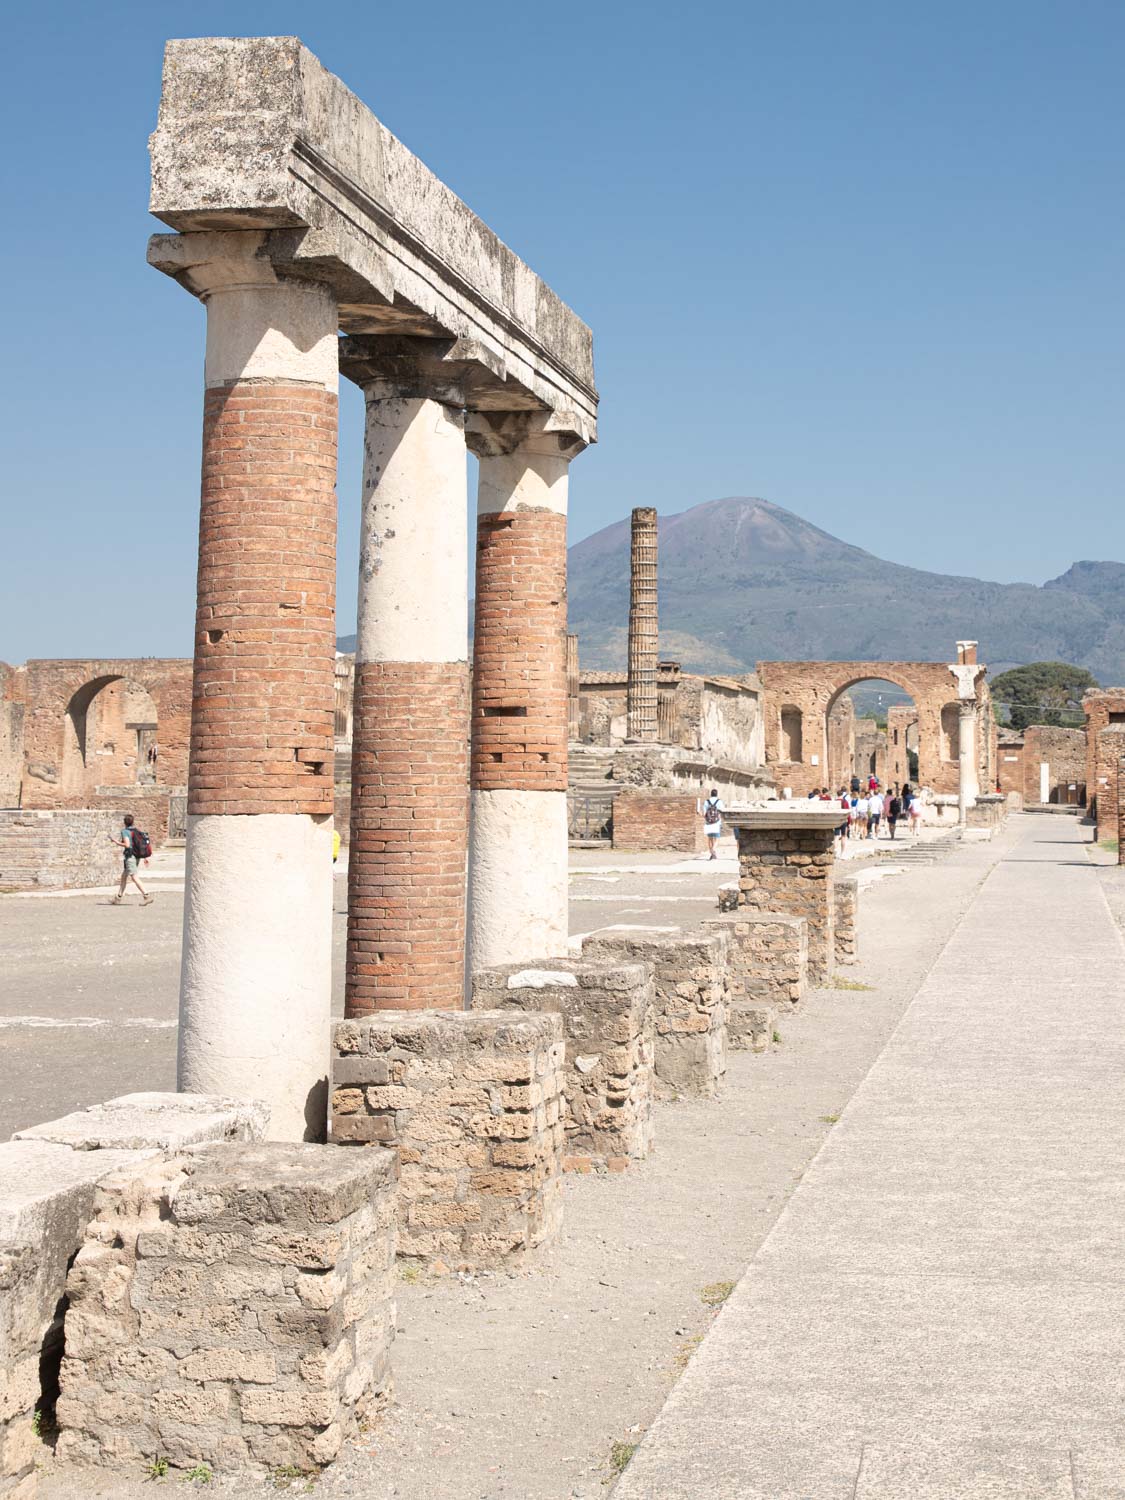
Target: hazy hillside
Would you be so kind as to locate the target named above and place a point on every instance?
(742, 580)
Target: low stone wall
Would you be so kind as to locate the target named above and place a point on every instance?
(845, 892)
(657, 820)
(471, 1102)
(690, 978)
(58, 848)
(767, 965)
(231, 1306)
(48, 1177)
(608, 1017)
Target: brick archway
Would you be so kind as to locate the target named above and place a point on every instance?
(812, 688)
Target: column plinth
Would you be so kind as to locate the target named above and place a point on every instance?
(255, 987)
(518, 863)
(410, 790)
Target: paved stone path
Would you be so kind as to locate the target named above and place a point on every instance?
(940, 1310)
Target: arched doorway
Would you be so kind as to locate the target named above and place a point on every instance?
(871, 729)
(109, 736)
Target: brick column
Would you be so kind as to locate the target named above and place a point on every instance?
(786, 864)
(1121, 809)
(256, 976)
(410, 772)
(643, 627)
(518, 864)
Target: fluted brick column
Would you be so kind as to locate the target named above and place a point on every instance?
(1121, 809)
(643, 628)
(410, 785)
(256, 976)
(518, 866)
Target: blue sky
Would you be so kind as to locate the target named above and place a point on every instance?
(865, 261)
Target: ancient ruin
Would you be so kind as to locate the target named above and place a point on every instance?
(643, 627)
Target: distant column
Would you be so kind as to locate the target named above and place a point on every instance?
(968, 781)
(573, 726)
(1120, 810)
(643, 627)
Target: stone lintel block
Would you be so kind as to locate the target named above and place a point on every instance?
(690, 978)
(254, 134)
(471, 1102)
(231, 1305)
(608, 1014)
(165, 1122)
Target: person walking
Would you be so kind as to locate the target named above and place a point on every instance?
(713, 821)
(894, 812)
(845, 815)
(137, 847)
(874, 813)
(915, 813)
(862, 807)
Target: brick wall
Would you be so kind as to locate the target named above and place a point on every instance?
(1064, 751)
(47, 849)
(657, 820)
(1110, 746)
(1102, 707)
(767, 966)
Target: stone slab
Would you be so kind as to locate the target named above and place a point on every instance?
(166, 1122)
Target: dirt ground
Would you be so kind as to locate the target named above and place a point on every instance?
(531, 1387)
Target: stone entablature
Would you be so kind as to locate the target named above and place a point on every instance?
(799, 697)
(254, 134)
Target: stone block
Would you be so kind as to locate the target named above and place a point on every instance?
(470, 1102)
(165, 1122)
(231, 1305)
(608, 1017)
(788, 868)
(767, 969)
(845, 892)
(48, 1178)
(690, 980)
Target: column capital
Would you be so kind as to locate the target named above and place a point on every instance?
(967, 675)
(542, 434)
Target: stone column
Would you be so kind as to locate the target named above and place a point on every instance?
(968, 785)
(643, 626)
(786, 865)
(410, 772)
(573, 713)
(256, 977)
(518, 864)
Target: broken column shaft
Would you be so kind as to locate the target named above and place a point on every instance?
(643, 627)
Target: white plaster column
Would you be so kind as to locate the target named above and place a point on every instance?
(518, 850)
(968, 780)
(410, 793)
(255, 990)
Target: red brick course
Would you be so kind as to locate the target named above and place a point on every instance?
(264, 688)
(409, 836)
(657, 820)
(519, 718)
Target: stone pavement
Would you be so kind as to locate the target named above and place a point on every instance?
(940, 1309)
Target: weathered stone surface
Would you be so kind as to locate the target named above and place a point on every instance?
(255, 135)
(231, 1305)
(471, 1103)
(608, 1016)
(690, 978)
(137, 1122)
(46, 1196)
(845, 894)
(767, 971)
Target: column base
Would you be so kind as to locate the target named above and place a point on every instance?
(256, 985)
(517, 877)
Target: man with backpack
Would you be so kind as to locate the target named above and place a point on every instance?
(137, 846)
(713, 821)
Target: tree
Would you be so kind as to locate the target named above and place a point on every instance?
(1043, 692)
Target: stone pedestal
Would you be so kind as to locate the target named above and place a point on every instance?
(690, 976)
(231, 1306)
(471, 1103)
(608, 1017)
(786, 865)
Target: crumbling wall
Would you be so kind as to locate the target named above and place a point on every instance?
(58, 849)
(1063, 751)
(1109, 748)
